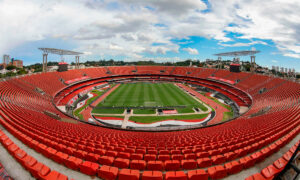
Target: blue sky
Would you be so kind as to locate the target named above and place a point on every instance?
(166, 30)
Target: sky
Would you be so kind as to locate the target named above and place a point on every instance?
(161, 30)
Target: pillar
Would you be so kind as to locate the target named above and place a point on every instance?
(45, 55)
(77, 62)
(219, 61)
(252, 69)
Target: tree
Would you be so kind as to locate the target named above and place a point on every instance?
(11, 67)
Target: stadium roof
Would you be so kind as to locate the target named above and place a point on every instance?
(59, 51)
(237, 53)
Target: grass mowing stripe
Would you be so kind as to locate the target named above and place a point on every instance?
(174, 94)
(114, 96)
(121, 100)
(146, 90)
(161, 95)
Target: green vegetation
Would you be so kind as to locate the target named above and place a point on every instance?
(77, 111)
(144, 111)
(108, 111)
(227, 115)
(149, 95)
(151, 119)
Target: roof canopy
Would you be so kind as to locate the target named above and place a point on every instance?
(59, 51)
(237, 53)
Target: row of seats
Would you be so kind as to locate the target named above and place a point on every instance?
(238, 143)
(276, 167)
(37, 169)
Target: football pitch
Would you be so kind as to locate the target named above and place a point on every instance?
(148, 95)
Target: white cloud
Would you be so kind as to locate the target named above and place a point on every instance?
(243, 44)
(129, 27)
(191, 50)
(274, 61)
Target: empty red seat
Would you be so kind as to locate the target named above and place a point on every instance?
(189, 164)
(155, 165)
(150, 157)
(152, 175)
(218, 159)
(73, 162)
(270, 171)
(89, 168)
(280, 163)
(138, 164)
(92, 157)
(54, 175)
(28, 162)
(124, 155)
(19, 155)
(39, 170)
(106, 160)
(204, 162)
(172, 165)
(129, 174)
(176, 175)
(163, 157)
(247, 162)
(217, 172)
(60, 157)
(190, 156)
(257, 157)
(198, 174)
(12, 148)
(233, 167)
(121, 163)
(135, 156)
(177, 157)
(108, 172)
(256, 176)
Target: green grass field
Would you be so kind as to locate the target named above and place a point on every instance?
(151, 119)
(147, 95)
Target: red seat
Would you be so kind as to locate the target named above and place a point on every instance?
(217, 172)
(135, 156)
(155, 165)
(176, 175)
(177, 157)
(60, 157)
(152, 175)
(190, 156)
(39, 170)
(189, 164)
(172, 165)
(19, 155)
(163, 157)
(280, 163)
(218, 159)
(247, 162)
(121, 163)
(106, 160)
(73, 162)
(257, 157)
(28, 162)
(129, 174)
(108, 172)
(270, 171)
(256, 176)
(12, 148)
(233, 167)
(138, 164)
(150, 157)
(92, 157)
(89, 168)
(197, 174)
(204, 162)
(124, 155)
(54, 175)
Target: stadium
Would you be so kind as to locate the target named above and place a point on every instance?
(149, 90)
(51, 139)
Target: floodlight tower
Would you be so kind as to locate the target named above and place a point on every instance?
(60, 52)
